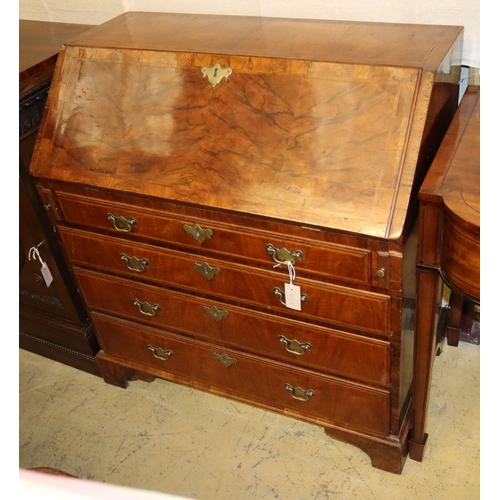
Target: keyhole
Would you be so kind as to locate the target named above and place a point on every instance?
(216, 70)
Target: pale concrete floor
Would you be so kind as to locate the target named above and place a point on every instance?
(169, 438)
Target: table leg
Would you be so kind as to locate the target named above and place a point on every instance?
(454, 326)
(429, 288)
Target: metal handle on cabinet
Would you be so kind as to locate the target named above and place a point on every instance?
(197, 232)
(281, 294)
(146, 308)
(121, 224)
(225, 359)
(135, 264)
(294, 346)
(283, 255)
(206, 270)
(299, 393)
(216, 313)
(158, 352)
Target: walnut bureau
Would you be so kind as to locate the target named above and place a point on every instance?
(236, 197)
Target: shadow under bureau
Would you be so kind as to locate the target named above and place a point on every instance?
(236, 199)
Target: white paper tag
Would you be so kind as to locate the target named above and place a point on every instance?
(35, 254)
(292, 296)
(47, 275)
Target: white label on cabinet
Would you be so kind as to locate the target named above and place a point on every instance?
(292, 292)
(47, 275)
(292, 296)
(35, 254)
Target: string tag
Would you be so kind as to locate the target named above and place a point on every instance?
(35, 254)
(292, 292)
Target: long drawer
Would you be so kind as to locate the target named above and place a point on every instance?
(335, 262)
(255, 379)
(341, 306)
(330, 351)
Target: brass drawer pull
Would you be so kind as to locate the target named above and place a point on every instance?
(299, 393)
(294, 346)
(281, 294)
(121, 224)
(146, 308)
(158, 352)
(135, 264)
(283, 255)
(197, 232)
(206, 270)
(217, 314)
(225, 359)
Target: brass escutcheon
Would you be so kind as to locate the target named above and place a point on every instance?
(158, 352)
(299, 393)
(121, 224)
(294, 346)
(225, 359)
(216, 73)
(283, 255)
(135, 264)
(206, 270)
(197, 232)
(217, 314)
(146, 308)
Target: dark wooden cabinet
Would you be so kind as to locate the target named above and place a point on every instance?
(52, 319)
(200, 169)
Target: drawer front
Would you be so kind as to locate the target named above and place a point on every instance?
(332, 261)
(329, 351)
(346, 308)
(350, 405)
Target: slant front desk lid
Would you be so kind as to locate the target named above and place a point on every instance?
(315, 122)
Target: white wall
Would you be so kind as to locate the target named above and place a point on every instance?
(456, 12)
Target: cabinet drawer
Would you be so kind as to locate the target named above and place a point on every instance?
(251, 378)
(330, 351)
(365, 311)
(335, 262)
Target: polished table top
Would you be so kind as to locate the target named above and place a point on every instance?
(455, 173)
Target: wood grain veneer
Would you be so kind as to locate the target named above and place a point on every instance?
(318, 141)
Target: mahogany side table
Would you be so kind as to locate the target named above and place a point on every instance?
(448, 247)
